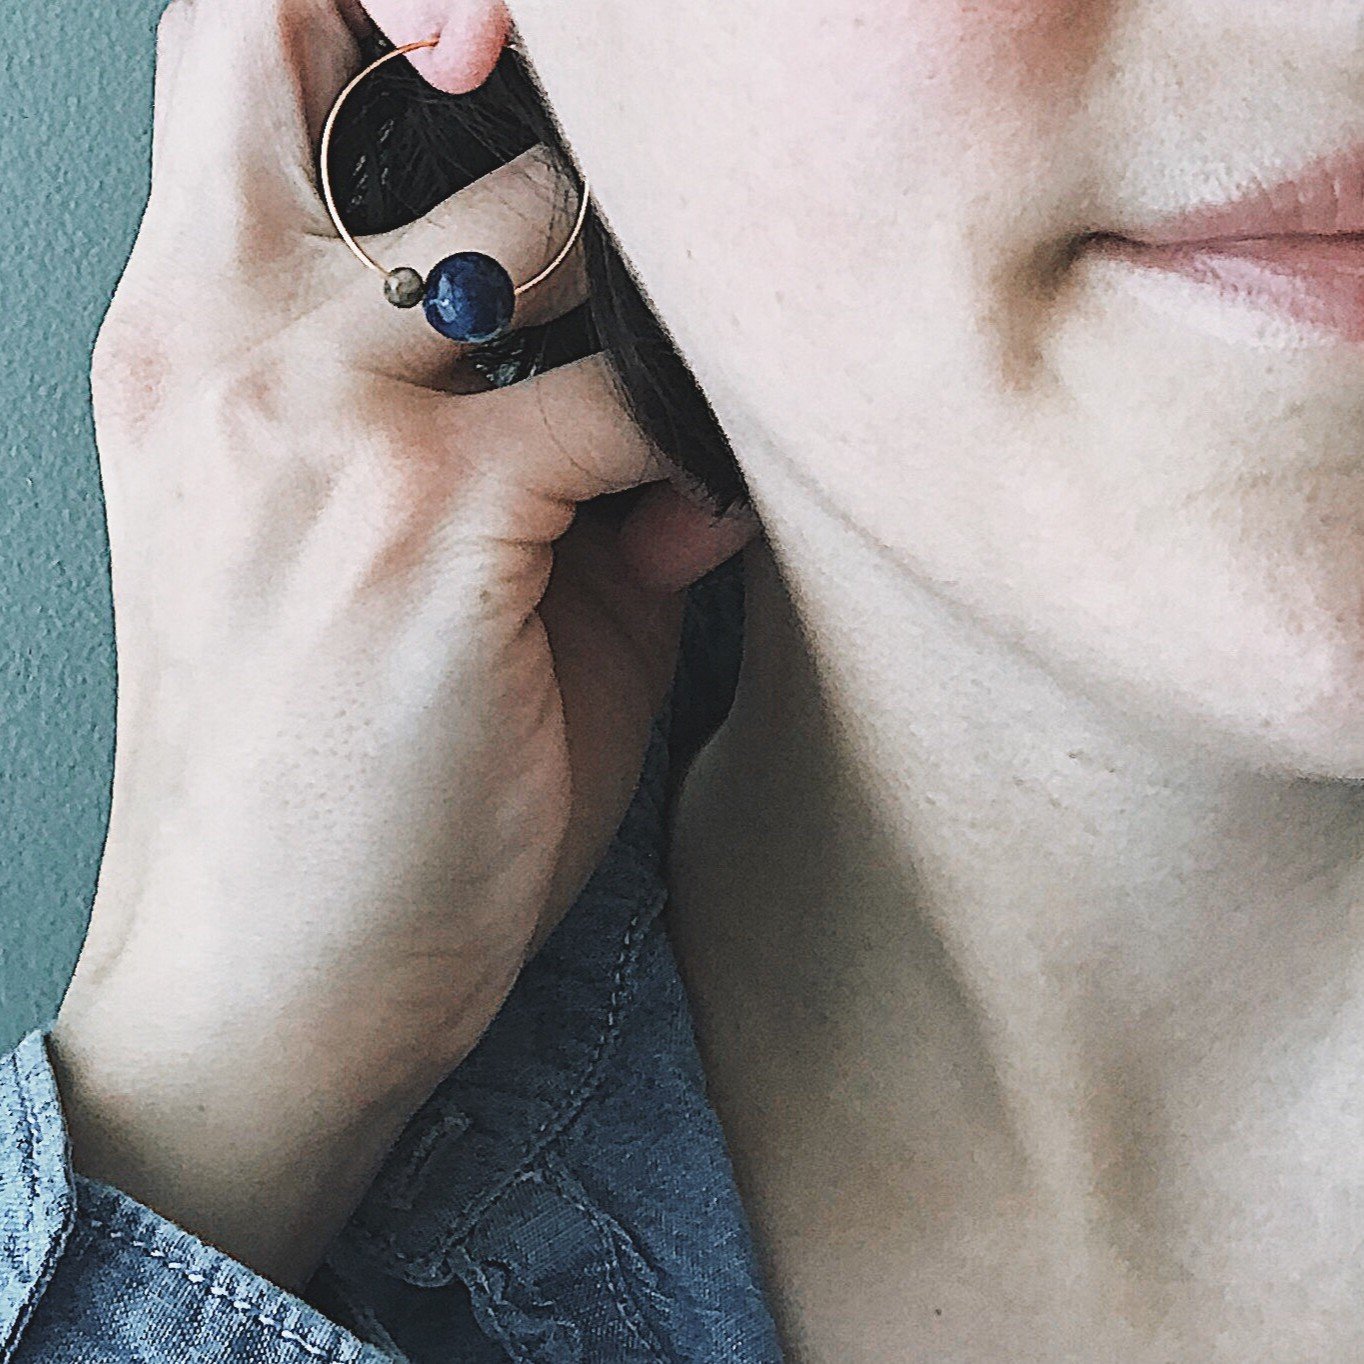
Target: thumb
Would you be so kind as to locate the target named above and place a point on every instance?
(668, 540)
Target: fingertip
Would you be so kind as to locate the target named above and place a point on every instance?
(472, 33)
(668, 542)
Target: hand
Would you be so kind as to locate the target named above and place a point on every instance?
(383, 691)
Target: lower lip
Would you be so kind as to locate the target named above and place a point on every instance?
(1318, 282)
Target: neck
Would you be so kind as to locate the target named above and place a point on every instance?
(958, 932)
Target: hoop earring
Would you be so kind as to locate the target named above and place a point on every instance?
(468, 297)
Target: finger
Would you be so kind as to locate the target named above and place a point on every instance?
(670, 540)
(172, 31)
(253, 84)
(521, 215)
(565, 436)
(472, 36)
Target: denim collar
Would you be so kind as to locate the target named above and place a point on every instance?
(571, 1174)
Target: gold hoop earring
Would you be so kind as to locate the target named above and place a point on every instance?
(469, 297)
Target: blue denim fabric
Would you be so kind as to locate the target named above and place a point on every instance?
(565, 1197)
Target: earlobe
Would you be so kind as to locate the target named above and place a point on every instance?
(473, 34)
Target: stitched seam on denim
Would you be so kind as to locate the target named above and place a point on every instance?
(29, 1156)
(557, 1121)
(626, 1307)
(402, 1193)
(241, 1305)
(53, 1252)
(508, 1342)
(29, 1163)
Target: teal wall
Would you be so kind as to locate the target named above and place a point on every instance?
(75, 122)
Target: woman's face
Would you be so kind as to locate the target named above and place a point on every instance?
(860, 218)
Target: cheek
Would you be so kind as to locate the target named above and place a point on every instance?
(975, 49)
(942, 116)
(950, 88)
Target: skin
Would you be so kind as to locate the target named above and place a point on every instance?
(1018, 897)
(383, 690)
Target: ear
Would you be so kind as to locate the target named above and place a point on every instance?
(473, 34)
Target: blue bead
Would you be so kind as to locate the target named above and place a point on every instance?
(470, 297)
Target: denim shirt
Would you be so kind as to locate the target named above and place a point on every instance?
(564, 1197)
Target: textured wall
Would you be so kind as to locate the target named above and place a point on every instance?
(75, 119)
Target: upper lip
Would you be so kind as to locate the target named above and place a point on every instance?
(1326, 199)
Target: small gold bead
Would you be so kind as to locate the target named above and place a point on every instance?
(404, 287)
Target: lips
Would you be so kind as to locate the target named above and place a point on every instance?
(1326, 199)
(1295, 248)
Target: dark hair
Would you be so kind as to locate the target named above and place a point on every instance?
(402, 147)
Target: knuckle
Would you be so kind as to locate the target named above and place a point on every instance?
(130, 373)
(276, 408)
(393, 464)
(246, 403)
(390, 471)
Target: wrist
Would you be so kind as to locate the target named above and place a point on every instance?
(259, 1135)
(366, 1025)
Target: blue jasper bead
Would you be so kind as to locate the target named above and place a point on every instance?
(470, 298)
